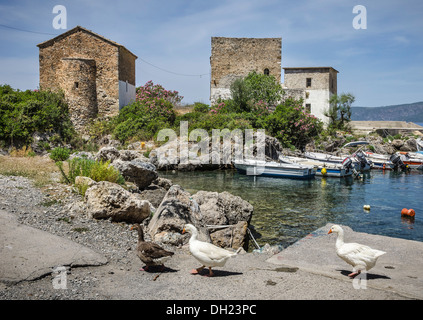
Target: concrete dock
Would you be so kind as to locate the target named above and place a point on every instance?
(309, 269)
(400, 270)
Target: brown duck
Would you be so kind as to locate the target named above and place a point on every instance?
(150, 253)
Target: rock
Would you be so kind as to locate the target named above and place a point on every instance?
(225, 209)
(81, 181)
(128, 155)
(154, 196)
(82, 154)
(233, 237)
(163, 182)
(109, 200)
(411, 145)
(107, 154)
(137, 171)
(273, 147)
(397, 143)
(222, 208)
(177, 209)
(108, 141)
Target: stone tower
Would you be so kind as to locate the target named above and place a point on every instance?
(232, 58)
(97, 75)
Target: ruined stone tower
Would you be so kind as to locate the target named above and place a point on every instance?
(232, 58)
(96, 75)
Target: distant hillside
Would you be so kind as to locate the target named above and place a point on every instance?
(411, 112)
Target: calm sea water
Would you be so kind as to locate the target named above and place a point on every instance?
(286, 210)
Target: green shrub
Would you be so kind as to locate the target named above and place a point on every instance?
(96, 170)
(22, 113)
(292, 125)
(59, 154)
(201, 107)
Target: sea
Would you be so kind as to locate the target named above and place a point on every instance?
(287, 210)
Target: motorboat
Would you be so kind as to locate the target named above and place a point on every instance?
(275, 169)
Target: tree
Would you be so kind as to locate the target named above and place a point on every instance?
(339, 112)
(255, 88)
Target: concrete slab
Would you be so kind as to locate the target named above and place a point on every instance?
(400, 270)
(27, 253)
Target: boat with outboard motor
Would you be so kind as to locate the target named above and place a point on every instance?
(324, 169)
(275, 169)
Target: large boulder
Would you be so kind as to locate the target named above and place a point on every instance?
(222, 209)
(137, 171)
(204, 209)
(397, 143)
(177, 209)
(109, 200)
(107, 154)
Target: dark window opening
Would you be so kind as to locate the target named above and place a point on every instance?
(266, 72)
(308, 107)
(76, 85)
(308, 82)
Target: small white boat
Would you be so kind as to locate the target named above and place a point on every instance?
(380, 161)
(275, 169)
(361, 163)
(324, 169)
(415, 163)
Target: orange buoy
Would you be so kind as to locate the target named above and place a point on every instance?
(408, 212)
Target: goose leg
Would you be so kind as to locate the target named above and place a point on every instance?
(354, 274)
(198, 270)
(211, 274)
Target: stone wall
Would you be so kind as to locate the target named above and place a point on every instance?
(232, 58)
(90, 69)
(78, 81)
(82, 44)
(321, 78)
(126, 66)
(316, 92)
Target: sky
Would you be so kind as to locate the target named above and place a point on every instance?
(380, 65)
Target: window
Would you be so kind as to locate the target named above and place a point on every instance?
(308, 82)
(266, 72)
(307, 94)
(76, 85)
(126, 85)
(308, 107)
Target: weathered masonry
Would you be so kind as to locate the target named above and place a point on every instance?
(232, 58)
(315, 85)
(96, 75)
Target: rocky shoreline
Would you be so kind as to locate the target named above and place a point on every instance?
(247, 276)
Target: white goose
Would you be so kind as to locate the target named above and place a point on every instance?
(208, 254)
(361, 257)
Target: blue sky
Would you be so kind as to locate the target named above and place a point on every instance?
(381, 65)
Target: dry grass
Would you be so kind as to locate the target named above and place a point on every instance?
(40, 169)
(180, 110)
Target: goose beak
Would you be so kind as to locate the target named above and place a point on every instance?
(183, 231)
(330, 231)
(132, 228)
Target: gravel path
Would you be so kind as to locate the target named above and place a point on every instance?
(60, 211)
